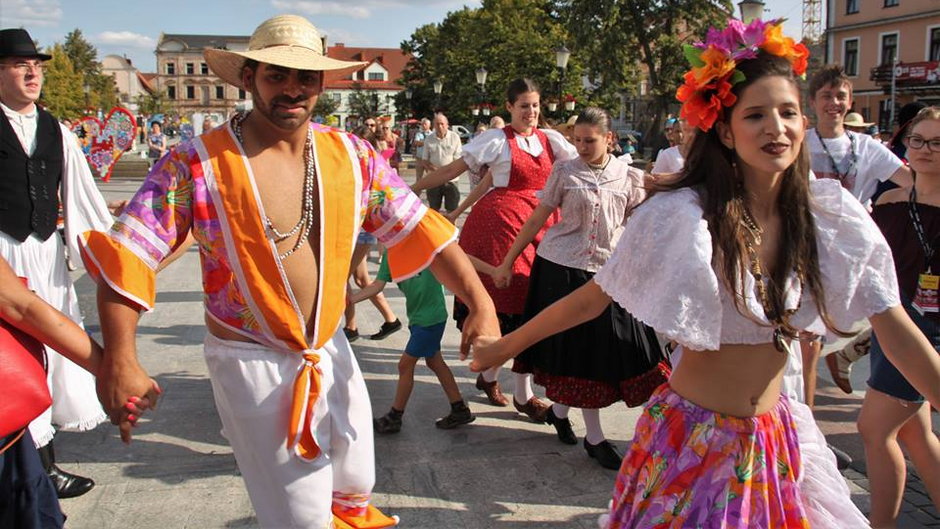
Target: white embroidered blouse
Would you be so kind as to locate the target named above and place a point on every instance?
(661, 272)
(491, 148)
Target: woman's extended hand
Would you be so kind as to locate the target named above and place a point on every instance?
(502, 275)
(489, 351)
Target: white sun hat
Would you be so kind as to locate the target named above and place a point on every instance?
(854, 119)
(289, 41)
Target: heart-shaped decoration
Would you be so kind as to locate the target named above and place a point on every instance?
(104, 143)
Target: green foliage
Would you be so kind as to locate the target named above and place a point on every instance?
(62, 93)
(150, 104)
(624, 41)
(325, 106)
(364, 103)
(510, 38)
(84, 57)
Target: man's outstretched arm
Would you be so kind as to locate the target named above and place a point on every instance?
(453, 269)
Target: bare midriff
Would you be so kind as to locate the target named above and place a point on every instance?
(738, 380)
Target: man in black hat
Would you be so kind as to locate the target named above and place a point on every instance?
(41, 161)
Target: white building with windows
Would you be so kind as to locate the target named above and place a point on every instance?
(379, 79)
(130, 83)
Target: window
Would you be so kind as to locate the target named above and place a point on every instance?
(190, 92)
(171, 92)
(934, 44)
(376, 76)
(337, 96)
(891, 3)
(241, 94)
(889, 48)
(171, 68)
(204, 69)
(851, 6)
(850, 57)
(190, 68)
(220, 92)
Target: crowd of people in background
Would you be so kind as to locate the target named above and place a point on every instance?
(704, 284)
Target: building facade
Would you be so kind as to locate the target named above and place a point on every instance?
(891, 51)
(130, 83)
(184, 78)
(378, 80)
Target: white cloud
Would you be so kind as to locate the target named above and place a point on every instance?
(30, 13)
(349, 38)
(322, 8)
(127, 39)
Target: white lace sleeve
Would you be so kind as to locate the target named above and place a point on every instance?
(855, 261)
(484, 149)
(661, 272)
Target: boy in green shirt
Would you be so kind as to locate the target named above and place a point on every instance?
(427, 316)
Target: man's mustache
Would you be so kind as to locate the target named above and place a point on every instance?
(286, 100)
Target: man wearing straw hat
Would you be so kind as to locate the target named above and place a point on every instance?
(276, 203)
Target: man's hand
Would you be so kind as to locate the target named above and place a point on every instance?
(489, 351)
(480, 322)
(116, 207)
(121, 384)
(502, 276)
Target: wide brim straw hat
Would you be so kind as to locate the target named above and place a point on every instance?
(854, 119)
(289, 41)
(565, 128)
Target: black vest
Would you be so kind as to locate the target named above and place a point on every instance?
(29, 185)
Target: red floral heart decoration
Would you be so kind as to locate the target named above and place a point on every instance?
(104, 143)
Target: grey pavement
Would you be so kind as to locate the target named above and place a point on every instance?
(501, 471)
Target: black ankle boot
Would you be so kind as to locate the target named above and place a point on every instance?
(562, 427)
(66, 485)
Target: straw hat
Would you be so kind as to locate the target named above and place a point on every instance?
(854, 119)
(289, 41)
(565, 128)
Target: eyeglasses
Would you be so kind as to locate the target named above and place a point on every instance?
(26, 67)
(917, 143)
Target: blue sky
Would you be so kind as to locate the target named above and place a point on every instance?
(132, 27)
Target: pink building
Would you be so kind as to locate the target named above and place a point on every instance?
(885, 42)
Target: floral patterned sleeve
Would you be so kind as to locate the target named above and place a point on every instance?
(153, 224)
(412, 233)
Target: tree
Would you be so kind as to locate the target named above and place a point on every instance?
(62, 93)
(364, 103)
(325, 106)
(623, 40)
(150, 104)
(509, 38)
(102, 91)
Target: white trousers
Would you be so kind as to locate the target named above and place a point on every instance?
(74, 401)
(252, 385)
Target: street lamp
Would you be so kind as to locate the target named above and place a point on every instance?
(751, 9)
(87, 89)
(438, 88)
(408, 94)
(481, 80)
(562, 54)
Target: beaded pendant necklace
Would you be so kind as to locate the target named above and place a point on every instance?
(853, 157)
(751, 243)
(305, 223)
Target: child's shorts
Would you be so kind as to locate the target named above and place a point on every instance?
(425, 342)
(884, 376)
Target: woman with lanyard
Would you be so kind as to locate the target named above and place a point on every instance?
(893, 410)
(520, 158)
(618, 358)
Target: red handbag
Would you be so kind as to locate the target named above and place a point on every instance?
(24, 393)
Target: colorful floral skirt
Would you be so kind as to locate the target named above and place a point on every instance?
(692, 467)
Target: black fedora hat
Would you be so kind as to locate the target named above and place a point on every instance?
(16, 42)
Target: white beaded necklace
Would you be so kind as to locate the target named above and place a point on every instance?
(305, 223)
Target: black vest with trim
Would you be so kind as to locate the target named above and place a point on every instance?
(29, 185)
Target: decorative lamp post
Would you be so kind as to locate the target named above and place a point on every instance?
(486, 109)
(481, 78)
(751, 9)
(87, 89)
(438, 88)
(562, 54)
(408, 94)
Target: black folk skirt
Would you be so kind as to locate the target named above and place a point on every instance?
(610, 358)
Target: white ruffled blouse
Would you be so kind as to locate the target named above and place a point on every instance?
(491, 148)
(661, 272)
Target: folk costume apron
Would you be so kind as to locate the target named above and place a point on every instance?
(497, 218)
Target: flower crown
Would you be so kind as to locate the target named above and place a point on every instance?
(707, 87)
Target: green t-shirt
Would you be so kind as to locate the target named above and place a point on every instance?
(424, 296)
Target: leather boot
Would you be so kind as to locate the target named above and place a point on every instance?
(66, 485)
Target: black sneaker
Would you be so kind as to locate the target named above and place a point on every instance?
(456, 417)
(387, 328)
(351, 334)
(388, 423)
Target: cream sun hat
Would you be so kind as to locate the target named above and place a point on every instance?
(290, 41)
(854, 119)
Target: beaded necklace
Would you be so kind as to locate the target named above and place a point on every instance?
(751, 243)
(853, 160)
(305, 223)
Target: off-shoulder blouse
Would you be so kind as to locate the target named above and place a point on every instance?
(662, 273)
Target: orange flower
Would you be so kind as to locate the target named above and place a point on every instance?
(799, 57)
(717, 65)
(775, 42)
(701, 107)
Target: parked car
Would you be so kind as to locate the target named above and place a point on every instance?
(464, 133)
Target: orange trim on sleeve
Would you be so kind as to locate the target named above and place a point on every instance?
(255, 256)
(416, 251)
(108, 260)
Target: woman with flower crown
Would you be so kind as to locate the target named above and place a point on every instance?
(757, 253)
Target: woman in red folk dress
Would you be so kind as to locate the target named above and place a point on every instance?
(520, 159)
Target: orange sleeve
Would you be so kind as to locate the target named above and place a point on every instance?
(109, 261)
(416, 251)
